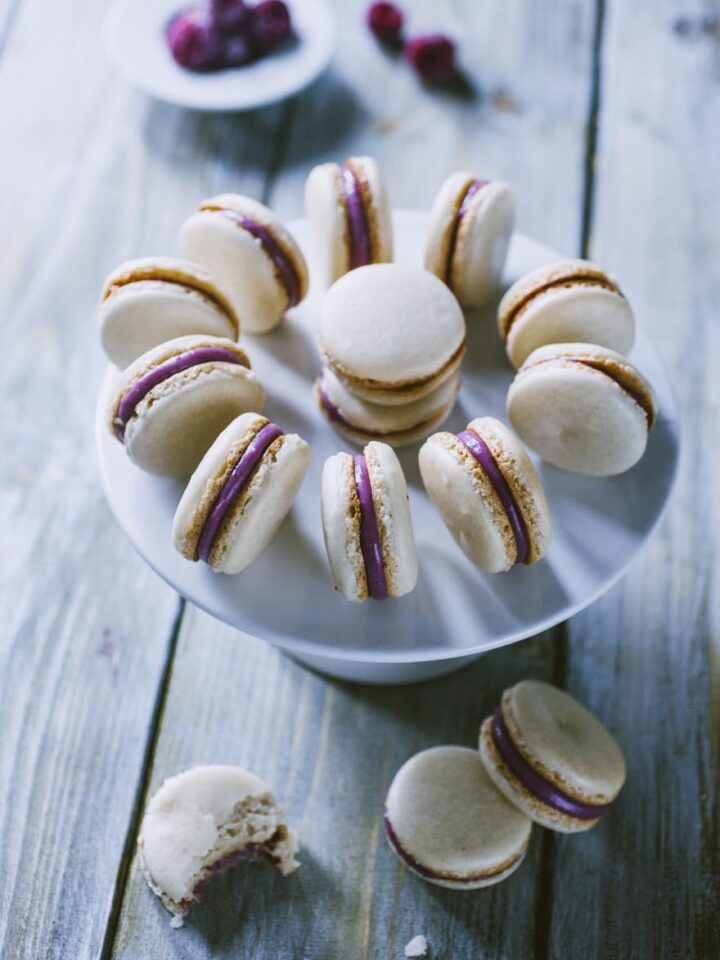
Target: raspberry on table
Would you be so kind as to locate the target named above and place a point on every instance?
(432, 57)
(385, 20)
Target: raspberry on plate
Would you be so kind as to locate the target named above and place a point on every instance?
(193, 41)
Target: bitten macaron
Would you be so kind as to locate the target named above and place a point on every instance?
(349, 215)
(240, 493)
(391, 333)
(488, 493)
(169, 405)
(582, 408)
(565, 302)
(470, 228)
(448, 823)
(367, 524)
(250, 254)
(148, 301)
(551, 757)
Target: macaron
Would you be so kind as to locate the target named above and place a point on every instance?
(470, 228)
(448, 823)
(148, 301)
(240, 493)
(565, 302)
(391, 333)
(367, 524)
(362, 421)
(203, 821)
(349, 214)
(551, 758)
(582, 408)
(250, 254)
(169, 405)
(488, 493)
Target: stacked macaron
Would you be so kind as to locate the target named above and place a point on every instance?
(392, 339)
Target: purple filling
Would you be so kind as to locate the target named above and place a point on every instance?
(332, 411)
(357, 219)
(369, 533)
(273, 249)
(464, 207)
(480, 450)
(252, 851)
(156, 375)
(545, 791)
(250, 458)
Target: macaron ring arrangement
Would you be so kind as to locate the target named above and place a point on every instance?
(392, 339)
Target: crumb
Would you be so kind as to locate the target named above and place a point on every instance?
(417, 947)
(176, 921)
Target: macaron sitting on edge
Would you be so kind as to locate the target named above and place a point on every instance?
(488, 493)
(169, 405)
(551, 757)
(240, 493)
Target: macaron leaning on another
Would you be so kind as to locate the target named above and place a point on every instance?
(349, 215)
(367, 524)
(251, 255)
(470, 228)
(148, 301)
(488, 493)
(169, 405)
(448, 823)
(551, 757)
(565, 302)
(240, 493)
(582, 408)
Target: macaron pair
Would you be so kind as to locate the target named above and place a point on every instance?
(204, 821)
(367, 524)
(250, 254)
(582, 408)
(488, 493)
(565, 302)
(240, 493)
(349, 215)
(168, 406)
(450, 825)
(551, 757)
(470, 228)
(148, 301)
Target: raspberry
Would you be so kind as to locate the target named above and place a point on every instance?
(385, 20)
(432, 57)
(271, 24)
(193, 41)
(229, 16)
(237, 51)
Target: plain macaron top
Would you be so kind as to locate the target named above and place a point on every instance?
(391, 323)
(563, 741)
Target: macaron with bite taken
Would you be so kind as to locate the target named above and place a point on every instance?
(448, 823)
(551, 757)
(565, 302)
(582, 408)
(169, 405)
(148, 301)
(367, 524)
(488, 493)
(240, 493)
(349, 214)
(470, 228)
(251, 255)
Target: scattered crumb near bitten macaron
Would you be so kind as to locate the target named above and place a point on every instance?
(417, 947)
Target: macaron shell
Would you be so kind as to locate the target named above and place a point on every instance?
(341, 527)
(399, 396)
(377, 206)
(448, 817)
(443, 218)
(326, 215)
(481, 245)
(392, 509)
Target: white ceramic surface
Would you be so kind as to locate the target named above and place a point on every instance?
(456, 612)
(134, 37)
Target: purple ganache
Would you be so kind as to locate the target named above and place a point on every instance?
(472, 189)
(272, 248)
(369, 533)
(357, 219)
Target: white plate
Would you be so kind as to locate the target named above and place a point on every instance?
(456, 612)
(134, 36)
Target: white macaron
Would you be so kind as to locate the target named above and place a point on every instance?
(169, 405)
(148, 301)
(565, 302)
(250, 254)
(448, 823)
(203, 821)
(470, 228)
(240, 493)
(582, 408)
(488, 493)
(367, 524)
(349, 214)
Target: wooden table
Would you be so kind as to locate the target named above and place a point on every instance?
(605, 115)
